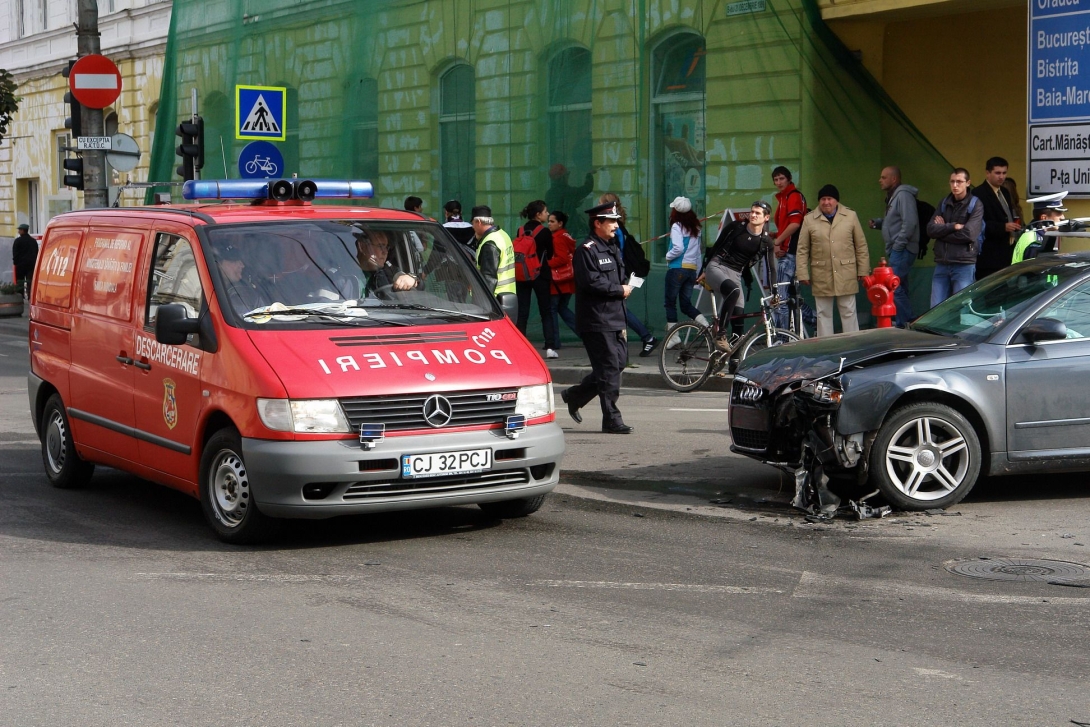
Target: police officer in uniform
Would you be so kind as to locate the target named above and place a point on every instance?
(600, 293)
(1048, 213)
(495, 254)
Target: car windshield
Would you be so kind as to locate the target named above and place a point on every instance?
(979, 310)
(344, 272)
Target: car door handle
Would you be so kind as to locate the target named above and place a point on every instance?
(125, 360)
(142, 365)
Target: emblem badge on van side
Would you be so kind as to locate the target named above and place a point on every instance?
(170, 403)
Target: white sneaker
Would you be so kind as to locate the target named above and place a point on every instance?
(672, 339)
(550, 353)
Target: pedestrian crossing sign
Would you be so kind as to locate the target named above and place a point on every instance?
(260, 112)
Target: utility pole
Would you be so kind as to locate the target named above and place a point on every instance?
(94, 161)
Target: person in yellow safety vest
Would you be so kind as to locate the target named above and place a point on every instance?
(495, 254)
(1048, 213)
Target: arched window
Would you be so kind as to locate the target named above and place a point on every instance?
(362, 99)
(458, 135)
(568, 109)
(677, 123)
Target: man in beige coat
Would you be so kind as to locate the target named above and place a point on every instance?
(833, 257)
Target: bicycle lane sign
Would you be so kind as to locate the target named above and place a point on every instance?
(260, 160)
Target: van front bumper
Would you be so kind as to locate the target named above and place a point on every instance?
(321, 479)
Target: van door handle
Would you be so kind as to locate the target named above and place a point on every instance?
(125, 360)
(142, 365)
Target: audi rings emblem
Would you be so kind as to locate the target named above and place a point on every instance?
(750, 392)
(438, 411)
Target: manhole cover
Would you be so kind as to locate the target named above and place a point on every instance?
(1019, 569)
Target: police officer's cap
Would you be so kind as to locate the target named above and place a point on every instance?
(1051, 202)
(606, 211)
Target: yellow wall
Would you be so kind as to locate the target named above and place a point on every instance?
(960, 78)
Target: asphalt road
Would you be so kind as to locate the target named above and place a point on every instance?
(608, 607)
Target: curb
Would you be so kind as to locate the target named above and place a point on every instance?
(635, 377)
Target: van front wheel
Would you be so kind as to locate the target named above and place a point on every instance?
(226, 498)
(63, 466)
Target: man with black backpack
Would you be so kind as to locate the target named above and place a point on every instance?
(901, 232)
(955, 227)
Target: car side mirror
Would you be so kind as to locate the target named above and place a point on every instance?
(1045, 329)
(173, 324)
(510, 304)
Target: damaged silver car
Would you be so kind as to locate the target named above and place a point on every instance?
(993, 381)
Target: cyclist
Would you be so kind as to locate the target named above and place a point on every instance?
(737, 248)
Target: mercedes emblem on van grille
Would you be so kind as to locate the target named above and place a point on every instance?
(438, 411)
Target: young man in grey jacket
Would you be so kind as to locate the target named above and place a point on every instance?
(955, 229)
(901, 233)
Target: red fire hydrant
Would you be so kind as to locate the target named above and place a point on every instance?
(880, 286)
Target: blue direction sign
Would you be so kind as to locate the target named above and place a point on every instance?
(260, 112)
(260, 160)
(1059, 97)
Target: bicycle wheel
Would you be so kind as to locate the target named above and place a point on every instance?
(688, 365)
(758, 341)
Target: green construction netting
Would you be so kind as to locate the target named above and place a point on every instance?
(501, 102)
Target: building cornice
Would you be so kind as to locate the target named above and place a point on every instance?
(127, 34)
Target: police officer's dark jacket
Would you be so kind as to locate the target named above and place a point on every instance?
(599, 295)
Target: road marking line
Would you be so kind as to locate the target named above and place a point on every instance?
(698, 410)
(690, 587)
(250, 577)
(815, 585)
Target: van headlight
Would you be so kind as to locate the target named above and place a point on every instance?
(307, 416)
(535, 401)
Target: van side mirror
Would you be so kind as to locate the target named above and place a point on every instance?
(510, 304)
(173, 324)
(1045, 329)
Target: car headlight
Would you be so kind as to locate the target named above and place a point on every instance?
(303, 415)
(535, 401)
(824, 391)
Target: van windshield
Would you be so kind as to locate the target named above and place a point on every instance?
(344, 272)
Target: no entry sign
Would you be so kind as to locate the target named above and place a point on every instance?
(95, 81)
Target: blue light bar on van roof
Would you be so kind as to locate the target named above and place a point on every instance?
(261, 189)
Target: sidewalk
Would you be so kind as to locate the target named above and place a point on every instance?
(642, 373)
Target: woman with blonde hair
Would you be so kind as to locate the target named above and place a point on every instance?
(635, 263)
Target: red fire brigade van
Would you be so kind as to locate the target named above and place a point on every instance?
(279, 359)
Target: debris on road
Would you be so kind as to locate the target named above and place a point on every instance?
(864, 511)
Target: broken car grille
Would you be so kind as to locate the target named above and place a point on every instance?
(749, 438)
(407, 412)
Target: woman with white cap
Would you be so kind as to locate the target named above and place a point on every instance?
(683, 261)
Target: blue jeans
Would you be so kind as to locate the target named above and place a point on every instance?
(949, 279)
(637, 325)
(560, 310)
(679, 286)
(901, 262)
(785, 273)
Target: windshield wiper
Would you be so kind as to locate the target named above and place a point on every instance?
(932, 331)
(430, 309)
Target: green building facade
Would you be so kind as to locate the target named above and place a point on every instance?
(488, 101)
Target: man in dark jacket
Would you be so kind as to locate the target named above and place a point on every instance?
(24, 254)
(600, 293)
(901, 233)
(1000, 225)
(955, 228)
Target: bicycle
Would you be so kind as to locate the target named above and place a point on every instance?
(265, 164)
(695, 357)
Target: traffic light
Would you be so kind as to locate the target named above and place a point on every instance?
(75, 165)
(73, 122)
(191, 150)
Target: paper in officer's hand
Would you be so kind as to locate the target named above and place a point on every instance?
(635, 281)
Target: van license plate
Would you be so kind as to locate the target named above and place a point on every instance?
(438, 464)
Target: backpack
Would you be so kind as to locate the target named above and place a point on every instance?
(973, 199)
(924, 214)
(527, 263)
